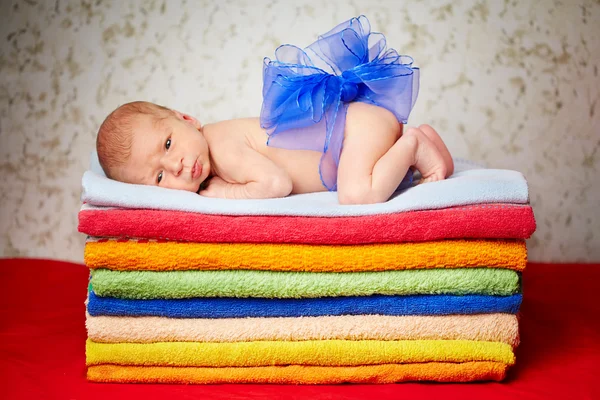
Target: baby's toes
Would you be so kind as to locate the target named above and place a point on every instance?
(432, 178)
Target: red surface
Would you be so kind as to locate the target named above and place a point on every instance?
(42, 336)
(502, 221)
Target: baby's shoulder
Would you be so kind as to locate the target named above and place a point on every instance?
(235, 134)
(229, 140)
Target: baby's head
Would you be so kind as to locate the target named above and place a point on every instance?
(148, 144)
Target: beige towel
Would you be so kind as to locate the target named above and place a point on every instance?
(482, 327)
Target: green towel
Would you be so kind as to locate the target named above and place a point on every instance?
(271, 284)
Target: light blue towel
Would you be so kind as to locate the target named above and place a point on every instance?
(470, 184)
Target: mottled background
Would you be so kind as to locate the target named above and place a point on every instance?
(512, 84)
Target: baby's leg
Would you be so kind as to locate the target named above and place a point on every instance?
(374, 161)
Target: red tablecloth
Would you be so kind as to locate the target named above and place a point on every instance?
(42, 346)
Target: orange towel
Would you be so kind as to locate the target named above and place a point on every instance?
(300, 374)
(163, 256)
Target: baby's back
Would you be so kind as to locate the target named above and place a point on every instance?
(301, 165)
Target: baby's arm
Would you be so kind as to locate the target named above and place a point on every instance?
(249, 175)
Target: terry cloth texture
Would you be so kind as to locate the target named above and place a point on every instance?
(489, 221)
(303, 374)
(317, 352)
(269, 284)
(124, 254)
(464, 187)
(219, 307)
(483, 327)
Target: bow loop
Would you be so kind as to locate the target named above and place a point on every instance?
(306, 92)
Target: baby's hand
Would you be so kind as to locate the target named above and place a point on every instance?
(215, 187)
(268, 188)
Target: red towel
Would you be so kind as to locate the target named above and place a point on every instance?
(490, 221)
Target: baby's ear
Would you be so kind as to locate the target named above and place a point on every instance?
(188, 118)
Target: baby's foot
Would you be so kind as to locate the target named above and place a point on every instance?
(428, 159)
(439, 143)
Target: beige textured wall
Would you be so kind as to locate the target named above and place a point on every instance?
(508, 83)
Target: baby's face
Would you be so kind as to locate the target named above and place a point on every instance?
(170, 153)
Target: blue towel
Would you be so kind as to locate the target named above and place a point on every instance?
(224, 307)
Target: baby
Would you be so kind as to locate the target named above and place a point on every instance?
(332, 119)
(144, 143)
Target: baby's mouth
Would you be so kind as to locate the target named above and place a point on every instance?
(196, 170)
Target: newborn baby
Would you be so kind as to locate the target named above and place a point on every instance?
(144, 143)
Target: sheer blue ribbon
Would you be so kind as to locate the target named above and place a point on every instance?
(306, 92)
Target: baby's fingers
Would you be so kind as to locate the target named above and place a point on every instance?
(207, 193)
(215, 187)
(206, 189)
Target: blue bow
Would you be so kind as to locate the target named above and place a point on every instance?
(305, 98)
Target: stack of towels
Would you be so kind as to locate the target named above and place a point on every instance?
(424, 287)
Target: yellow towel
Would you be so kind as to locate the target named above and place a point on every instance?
(302, 374)
(163, 256)
(317, 352)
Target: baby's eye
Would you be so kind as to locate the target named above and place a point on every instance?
(168, 144)
(159, 178)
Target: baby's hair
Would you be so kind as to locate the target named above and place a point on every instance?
(113, 143)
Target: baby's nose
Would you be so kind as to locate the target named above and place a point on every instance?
(174, 165)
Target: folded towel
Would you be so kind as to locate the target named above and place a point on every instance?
(466, 187)
(311, 352)
(302, 374)
(126, 254)
(222, 307)
(501, 221)
(270, 284)
(483, 327)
